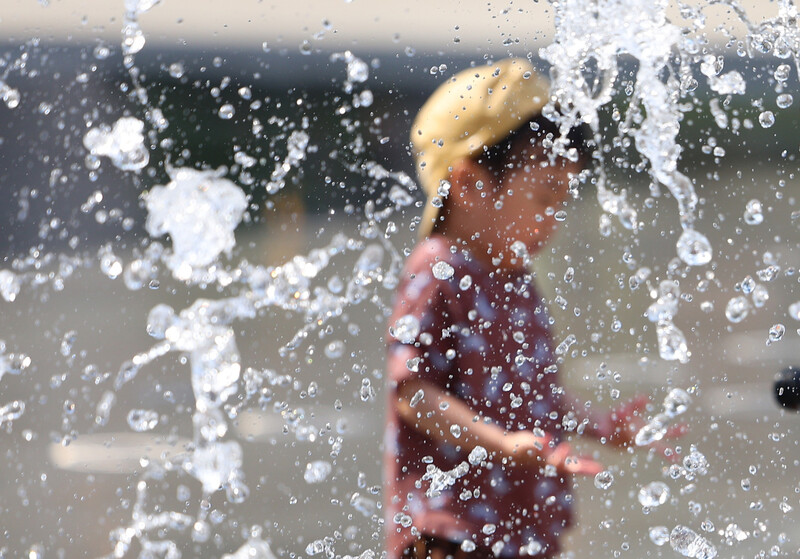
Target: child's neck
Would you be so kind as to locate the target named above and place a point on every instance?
(488, 251)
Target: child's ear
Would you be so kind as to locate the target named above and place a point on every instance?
(464, 176)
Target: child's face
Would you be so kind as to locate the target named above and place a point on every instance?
(528, 196)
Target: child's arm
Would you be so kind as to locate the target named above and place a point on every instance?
(619, 425)
(439, 413)
(596, 425)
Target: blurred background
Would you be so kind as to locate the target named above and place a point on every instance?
(69, 481)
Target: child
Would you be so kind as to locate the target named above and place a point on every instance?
(474, 464)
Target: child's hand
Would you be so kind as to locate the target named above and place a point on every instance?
(567, 464)
(526, 448)
(623, 422)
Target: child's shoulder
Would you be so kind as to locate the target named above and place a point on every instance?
(429, 251)
(437, 257)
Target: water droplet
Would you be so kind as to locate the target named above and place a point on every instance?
(737, 309)
(561, 215)
(226, 111)
(159, 319)
(654, 494)
(402, 519)
(628, 217)
(652, 431)
(366, 392)
(364, 99)
(142, 420)
(766, 119)
(465, 282)
(12, 363)
(67, 343)
(103, 409)
(605, 225)
(417, 398)
(659, 535)
(176, 70)
(468, 546)
(730, 83)
(478, 455)
(245, 93)
(306, 48)
(443, 271)
(671, 342)
(133, 40)
(694, 248)
(406, 329)
(101, 52)
(569, 274)
(123, 143)
(748, 284)
(704, 549)
(110, 265)
(676, 402)
(760, 296)
(753, 212)
(10, 96)
(357, 70)
(776, 333)
(531, 549)
(794, 310)
(10, 285)
(11, 411)
(564, 346)
(455, 430)
(682, 540)
(784, 100)
(604, 480)
(782, 72)
(695, 462)
(334, 349)
(317, 471)
(769, 273)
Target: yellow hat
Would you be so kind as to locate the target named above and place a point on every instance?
(476, 107)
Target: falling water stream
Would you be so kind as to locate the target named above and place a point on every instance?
(632, 63)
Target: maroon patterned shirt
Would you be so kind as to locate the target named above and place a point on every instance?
(482, 336)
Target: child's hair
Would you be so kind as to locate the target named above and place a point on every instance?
(496, 158)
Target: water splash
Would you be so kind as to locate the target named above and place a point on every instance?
(441, 480)
(590, 37)
(123, 144)
(297, 145)
(689, 543)
(254, 548)
(212, 207)
(676, 402)
(12, 363)
(671, 341)
(203, 333)
(653, 494)
(9, 95)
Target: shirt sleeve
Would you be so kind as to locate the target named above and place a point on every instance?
(421, 344)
